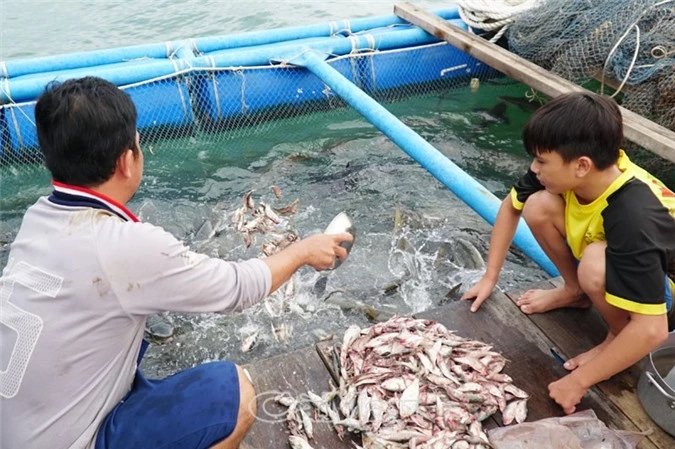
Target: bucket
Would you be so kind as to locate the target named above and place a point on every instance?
(656, 387)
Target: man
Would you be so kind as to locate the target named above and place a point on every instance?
(83, 275)
(607, 225)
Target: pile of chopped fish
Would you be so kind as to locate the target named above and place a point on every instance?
(412, 383)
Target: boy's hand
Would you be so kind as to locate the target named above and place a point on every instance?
(481, 291)
(322, 249)
(567, 392)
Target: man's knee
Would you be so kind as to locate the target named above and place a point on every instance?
(591, 271)
(247, 400)
(543, 207)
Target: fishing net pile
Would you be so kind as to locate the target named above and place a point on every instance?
(411, 383)
(629, 41)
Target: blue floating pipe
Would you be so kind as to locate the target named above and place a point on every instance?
(460, 183)
(71, 61)
(215, 43)
(382, 40)
(28, 87)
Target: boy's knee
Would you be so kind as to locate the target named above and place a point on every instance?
(591, 271)
(541, 207)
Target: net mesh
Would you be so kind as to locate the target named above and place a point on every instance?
(630, 44)
(215, 105)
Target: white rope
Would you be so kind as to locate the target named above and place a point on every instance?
(490, 15)
(637, 48)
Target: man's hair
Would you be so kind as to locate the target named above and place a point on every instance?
(84, 125)
(574, 125)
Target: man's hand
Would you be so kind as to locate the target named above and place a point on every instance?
(567, 392)
(322, 249)
(481, 291)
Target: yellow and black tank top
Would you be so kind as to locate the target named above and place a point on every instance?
(635, 215)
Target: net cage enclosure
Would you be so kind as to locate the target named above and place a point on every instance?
(224, 87)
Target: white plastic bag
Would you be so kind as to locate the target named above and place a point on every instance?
(581, 430)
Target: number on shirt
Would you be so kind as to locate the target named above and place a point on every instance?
(27, 326)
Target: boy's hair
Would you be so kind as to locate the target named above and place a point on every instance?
(84, 125)
(574, 125)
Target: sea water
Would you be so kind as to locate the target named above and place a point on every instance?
(330, 162)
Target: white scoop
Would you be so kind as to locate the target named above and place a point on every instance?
(342, 223)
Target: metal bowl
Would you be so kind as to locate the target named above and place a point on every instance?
(656, 387)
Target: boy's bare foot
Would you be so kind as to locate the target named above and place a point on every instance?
(585, 357)
(539, 301)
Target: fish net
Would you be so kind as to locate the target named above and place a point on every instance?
(201, 108)
(628, 44)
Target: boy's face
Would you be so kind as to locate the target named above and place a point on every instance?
(555, 174)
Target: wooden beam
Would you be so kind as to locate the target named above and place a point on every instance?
(637, 129)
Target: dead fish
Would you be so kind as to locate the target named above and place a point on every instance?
(269, 213)
(277, 191)
(409, 400)
(289, 209)
(515, 410)
(299, 442)
(247, 199)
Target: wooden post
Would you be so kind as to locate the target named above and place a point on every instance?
(637, 129)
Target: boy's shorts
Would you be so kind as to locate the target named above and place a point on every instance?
(193, 409)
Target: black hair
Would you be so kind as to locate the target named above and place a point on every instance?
(84, 125)
(574, 125)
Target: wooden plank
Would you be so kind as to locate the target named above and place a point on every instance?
(501, 323)
(295, 373)
(643, 132)
(574, 331)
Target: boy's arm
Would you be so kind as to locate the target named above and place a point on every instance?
(642, 334)
(500, 240)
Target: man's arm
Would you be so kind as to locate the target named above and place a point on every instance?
(500, 241)
(318, 251)
(642, 334)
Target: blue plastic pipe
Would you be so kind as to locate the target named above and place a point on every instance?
(162, 51)
(28, 87)
(215, 43)
(460, 183)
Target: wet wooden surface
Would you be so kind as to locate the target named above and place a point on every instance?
(578, 330)
(523, 339)
(295, 374)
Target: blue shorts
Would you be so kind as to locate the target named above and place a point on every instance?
(193, 409)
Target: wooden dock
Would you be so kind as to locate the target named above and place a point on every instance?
(524, 340)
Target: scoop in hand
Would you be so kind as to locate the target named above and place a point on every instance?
(342, 223)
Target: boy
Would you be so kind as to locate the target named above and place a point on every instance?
(84, 274)
(607, 225)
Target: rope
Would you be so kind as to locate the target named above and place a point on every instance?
(494, 14)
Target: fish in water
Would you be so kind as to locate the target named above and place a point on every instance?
(523, 103)
(249, 342)
(496, 114)
(467, 255)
